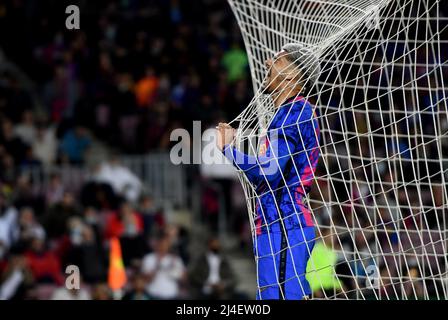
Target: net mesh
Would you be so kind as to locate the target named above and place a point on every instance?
(379, 197)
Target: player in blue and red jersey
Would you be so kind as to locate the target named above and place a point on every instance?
(282, 175)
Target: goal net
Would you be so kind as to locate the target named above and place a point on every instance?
(379, 197)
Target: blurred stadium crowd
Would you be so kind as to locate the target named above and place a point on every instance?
(134, 72)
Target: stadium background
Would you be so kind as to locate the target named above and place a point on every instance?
(73, 102)
(86, 117)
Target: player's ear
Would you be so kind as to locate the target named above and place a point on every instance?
(295, 76)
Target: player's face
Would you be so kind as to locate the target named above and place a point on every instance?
(276, 68)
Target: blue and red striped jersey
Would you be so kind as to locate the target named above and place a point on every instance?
(288, 157)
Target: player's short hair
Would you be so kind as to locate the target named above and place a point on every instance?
(306, 60)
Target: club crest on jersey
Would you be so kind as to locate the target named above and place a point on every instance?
(263, 147)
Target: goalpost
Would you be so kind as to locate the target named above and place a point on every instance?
(379, 197)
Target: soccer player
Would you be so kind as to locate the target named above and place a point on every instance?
(282, 175)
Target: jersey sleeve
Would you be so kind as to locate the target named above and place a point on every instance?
(267, 168)
(290, 138)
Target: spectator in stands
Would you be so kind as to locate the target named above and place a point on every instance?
(123, 181)
(163, 271)
(26, 129)
(8, 171)
(99, 195)
(55, 190)
(211, 276)
(101, 291)
(45, 145)
(8, 223)
(235, 61)
(413, 286)
(28, 228)
(153, 218)
(124, 222)
(127, 225)
(15, 146)
(14, 98)
(386, 284)
(44, 264)
(146, 88)
(25, 194)
(86, 253)
(3, 255)
(29, 161)
(16, 279)
(93, 219)
(59, 93)
(138, 289)
(74, 145)
(179, 240)
(56, 219)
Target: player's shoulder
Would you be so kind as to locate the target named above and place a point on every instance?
(292, 113)
(302, 106)
(300, 110)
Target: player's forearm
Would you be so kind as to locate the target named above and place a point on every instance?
(247, 164)
(258, 169)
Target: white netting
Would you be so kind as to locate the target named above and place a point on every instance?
(379, 195)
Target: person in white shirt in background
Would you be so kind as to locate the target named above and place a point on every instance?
(45, 144)
(16, 278)
(163, 270)
(26, 129)
(28, 228)
(9, 217)
(123, 181)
